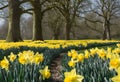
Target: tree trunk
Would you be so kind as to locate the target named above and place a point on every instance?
(104, 31)
(56, 33)
(37, 25)
(68, 29)
(55, 36)
(108, 31)
(14, 22)
(37, 21)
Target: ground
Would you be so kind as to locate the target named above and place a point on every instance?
(55, 68)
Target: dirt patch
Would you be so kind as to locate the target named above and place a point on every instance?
(56, 67)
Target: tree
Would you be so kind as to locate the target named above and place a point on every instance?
(55, 23)
(39, 9)
(93, 22)
(107, 9)
(70, 9)
(15, 12)
(14, 21)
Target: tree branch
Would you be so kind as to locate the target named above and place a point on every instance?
(43, 2)
(29, 13)
(93, 21)
(4, 17)
(47, 9)
(97, 13)
(61, 10)
(28, 10)
(3, 7)
(24, 1)
(88, 26)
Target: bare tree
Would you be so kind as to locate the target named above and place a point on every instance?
(14, 21)
(107, 9)
(55, 22)
(15, 12)
(69, 9)
(39, 9)
(92, 21)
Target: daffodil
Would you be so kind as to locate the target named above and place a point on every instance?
(109, 50)
(22, 60)
(93, 51)
(118, 45)
(114, 63)
(45, 73)
(74, 54)
(28, 57)
(102, 53)
(69, 54)
(72, 62)
(12, 57)
(72, 76)
(116, 50)
(109, 55)
(38, 58)
(117, 78)
(86, 54)
(80, 57)
(84, 44)
(4, 63)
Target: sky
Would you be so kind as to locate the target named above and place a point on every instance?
(2, 21)
(26, 16)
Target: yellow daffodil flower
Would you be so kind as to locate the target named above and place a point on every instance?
(117, 78)
(74, 54)
(87, 54)
(72, 76)
(118, 45)
(45, 73)
(12, 57)
(38, 58)
(102, 53)
(72, 62)
(4, 63)
(114, 63)
(93, 52)
(22, 60)
(80, 57)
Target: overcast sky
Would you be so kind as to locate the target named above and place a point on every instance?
(2, 20)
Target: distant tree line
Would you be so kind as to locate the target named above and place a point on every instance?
(66, 12)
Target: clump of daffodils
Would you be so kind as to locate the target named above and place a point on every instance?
(25, 64)
(28, 57)
(73, 54)
(75, 57)
(25, 57)
(109, 56)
